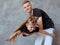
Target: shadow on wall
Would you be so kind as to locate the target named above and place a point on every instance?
(56, 40)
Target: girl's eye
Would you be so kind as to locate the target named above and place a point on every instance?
(24, 7)
(31, 27)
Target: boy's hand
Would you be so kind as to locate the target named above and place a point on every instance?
(53, 35)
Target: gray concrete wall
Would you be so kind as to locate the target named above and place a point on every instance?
(12, 16)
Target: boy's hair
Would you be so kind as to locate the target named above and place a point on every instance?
(26, 1)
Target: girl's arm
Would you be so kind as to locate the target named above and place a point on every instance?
(17, 32)
(13, 35)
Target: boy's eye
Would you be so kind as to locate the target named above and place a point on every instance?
(24, 7)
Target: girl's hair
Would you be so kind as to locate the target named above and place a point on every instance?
(32, 20)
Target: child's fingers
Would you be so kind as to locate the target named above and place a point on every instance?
(53, 35)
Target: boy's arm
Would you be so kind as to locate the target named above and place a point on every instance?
(40, 24)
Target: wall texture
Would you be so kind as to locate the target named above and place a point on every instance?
(12, 16)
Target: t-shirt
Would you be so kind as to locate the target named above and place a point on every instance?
(47, 22)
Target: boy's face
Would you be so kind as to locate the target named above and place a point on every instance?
(30, 27)
(27, 7)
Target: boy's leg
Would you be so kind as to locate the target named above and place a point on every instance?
(48, 39)
(39, 39)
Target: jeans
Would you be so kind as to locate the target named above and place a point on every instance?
(43, 38)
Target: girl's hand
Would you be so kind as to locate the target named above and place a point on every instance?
(8, 39)
(13, 36)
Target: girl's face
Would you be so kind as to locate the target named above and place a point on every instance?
(30, 27)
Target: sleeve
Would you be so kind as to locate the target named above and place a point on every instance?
(38, 12)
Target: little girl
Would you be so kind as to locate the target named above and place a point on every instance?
(27, 29)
